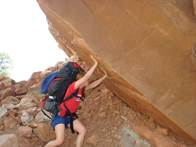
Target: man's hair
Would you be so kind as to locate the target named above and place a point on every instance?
(81, 71)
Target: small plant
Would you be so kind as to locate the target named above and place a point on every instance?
(5, 64)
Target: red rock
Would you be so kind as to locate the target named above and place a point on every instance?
(25, 131)
(3, 113)
(8, 140)
(143, 131)
(21, 88)
(10, 100)
(6, 92)
(194, 6)
(27, 102)
(35, 75)
(44, 132)
(6, 83)
(26, 118)
(92, 140)
(162, 131)
(10, 123)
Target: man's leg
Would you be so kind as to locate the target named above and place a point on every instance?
(79, 127)
(59, 131)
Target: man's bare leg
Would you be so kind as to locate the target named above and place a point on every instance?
(59, 130)
(80, 128)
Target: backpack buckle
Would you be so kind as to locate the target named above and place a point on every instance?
(52, 97)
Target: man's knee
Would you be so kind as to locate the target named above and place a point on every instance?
(82, 130)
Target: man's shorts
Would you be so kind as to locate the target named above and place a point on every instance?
(61, 120)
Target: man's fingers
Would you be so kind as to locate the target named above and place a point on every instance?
(105, 73)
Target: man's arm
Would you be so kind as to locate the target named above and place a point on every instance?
(87, 75)
(74, 57)
(95, 83)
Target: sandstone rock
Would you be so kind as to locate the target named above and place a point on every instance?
(92, 140)
(35, 78)
(194, 6)
(27, 102)
(6, 92)
(32, 110)
(162, 131)
(44, 74)
(21, 88)
(25, 131)
(36, 75)
(6, 83)
(10, 123)
(26, 118)
(10, 106)
(44, 132)
(51, 69)
(59, 65)
(8, 140)
(143, 131)
(10, 100)
(102, 114)
(140, 83)
(2, 78)
(3, 112)
(40, 117)
(130, 138)
(33, 125)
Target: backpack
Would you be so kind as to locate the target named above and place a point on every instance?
(57, 84)
(46, 82)
(61, 82)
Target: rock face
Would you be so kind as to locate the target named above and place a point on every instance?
(44, 132)
(8, 140)
(145, 47)
(194, 6)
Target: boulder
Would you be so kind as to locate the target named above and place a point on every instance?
(44, 132)
(27, 102)
(7, 92)
(25, 131)
(3, 112)
(5, 83)
(10, 100)
(8, 140)
(35, 78)
(10, 123)
(21, 88)
(26, 118)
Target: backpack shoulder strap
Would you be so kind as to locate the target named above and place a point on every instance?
(45, 114)
(74, 94)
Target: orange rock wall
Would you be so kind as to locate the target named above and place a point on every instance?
(146, 46)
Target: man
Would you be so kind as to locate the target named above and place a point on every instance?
(61, 120)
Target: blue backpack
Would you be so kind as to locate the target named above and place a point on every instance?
(46, 82)
(56, 83)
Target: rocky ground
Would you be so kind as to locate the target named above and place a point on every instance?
(109, 121)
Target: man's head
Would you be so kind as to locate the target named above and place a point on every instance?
(74, 58)
(80, 74)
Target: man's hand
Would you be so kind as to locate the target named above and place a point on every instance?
(94, 60)
(105, 73)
